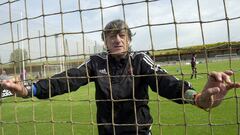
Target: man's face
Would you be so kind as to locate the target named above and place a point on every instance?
(117, 42)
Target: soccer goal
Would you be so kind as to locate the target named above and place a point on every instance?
(51, 36)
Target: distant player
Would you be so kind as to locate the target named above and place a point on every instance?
(193, 65)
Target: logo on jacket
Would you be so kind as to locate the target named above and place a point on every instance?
(103, 71)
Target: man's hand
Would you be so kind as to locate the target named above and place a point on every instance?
(15, 86)
(215, 89)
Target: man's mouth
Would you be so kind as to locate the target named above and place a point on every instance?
(117, 46)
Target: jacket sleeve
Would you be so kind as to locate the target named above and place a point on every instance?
(163, 83)
(64, 82)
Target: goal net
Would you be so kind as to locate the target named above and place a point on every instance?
(46, 37)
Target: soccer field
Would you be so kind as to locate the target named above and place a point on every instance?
(75, 113)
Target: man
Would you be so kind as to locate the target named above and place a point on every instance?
(122, 79)
(193, 66)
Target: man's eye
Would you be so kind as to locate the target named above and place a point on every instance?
(122, 35)
(111, 36)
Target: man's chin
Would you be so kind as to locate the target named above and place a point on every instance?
(119, 53)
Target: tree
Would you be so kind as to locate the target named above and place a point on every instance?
(18, 56)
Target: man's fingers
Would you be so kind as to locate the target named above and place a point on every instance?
(7, 84)
(229, 72)
(226, 78)
(221, 76)
(215, 77)
(15, 86)
(11, 85)
(233, 85)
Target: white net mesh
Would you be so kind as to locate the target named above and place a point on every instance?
(43, 37)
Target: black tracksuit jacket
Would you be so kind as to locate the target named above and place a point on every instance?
(121, 90)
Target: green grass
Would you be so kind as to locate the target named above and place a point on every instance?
(75, 113)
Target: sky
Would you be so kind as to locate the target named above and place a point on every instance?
(151, 23)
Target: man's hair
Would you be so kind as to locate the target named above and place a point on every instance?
(116, 26)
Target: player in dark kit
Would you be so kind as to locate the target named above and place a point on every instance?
(122, 79)
(194, 66)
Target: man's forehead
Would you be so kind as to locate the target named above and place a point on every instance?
(122, 31)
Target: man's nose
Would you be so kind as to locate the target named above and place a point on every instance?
(118, 38)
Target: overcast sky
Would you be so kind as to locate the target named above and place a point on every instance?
(139, 16)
